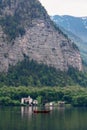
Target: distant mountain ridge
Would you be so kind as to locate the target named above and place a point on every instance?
(76, 29)
(76, 25)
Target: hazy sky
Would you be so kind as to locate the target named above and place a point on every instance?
(65, 7)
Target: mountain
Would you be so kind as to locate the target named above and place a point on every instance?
(76, 29)
(76, 25)
(27, 31)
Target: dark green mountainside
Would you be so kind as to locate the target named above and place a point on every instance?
(30, 73)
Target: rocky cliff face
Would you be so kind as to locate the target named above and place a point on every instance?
(26, 30)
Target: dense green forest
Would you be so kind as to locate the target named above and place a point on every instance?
(74, 95)
(28, 78)
(30, 73)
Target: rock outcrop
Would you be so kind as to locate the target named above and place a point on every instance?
(26, 30)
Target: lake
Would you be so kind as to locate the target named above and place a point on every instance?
(22, 118)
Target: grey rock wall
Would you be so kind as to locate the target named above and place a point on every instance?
(41, 42)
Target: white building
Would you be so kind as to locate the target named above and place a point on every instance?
(29, 101)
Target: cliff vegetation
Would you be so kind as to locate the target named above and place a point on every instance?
(30, 73)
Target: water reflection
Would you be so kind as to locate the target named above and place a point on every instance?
(60, 118)
(27, 111)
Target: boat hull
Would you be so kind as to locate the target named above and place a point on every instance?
(41, 111)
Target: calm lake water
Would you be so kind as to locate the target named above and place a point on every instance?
(22, 118)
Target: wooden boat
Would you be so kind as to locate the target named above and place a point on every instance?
(41, 111)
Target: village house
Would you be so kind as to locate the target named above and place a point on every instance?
(29, 101)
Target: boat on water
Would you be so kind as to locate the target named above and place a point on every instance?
(41, 111)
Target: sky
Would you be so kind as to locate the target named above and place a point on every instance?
(76, 8)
